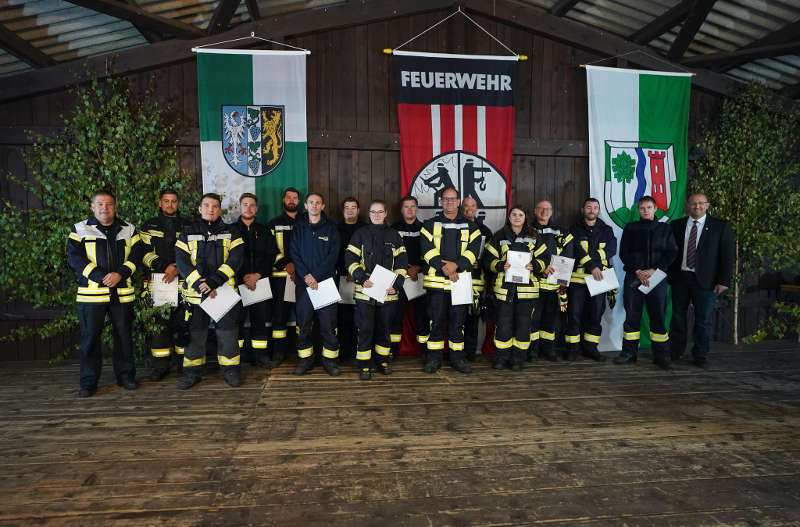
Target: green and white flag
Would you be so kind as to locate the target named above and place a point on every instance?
(252, 124)
(638, 146)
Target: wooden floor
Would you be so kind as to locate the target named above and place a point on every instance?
(559, 444)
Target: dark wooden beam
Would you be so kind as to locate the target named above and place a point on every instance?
(298, 23)
(785, 34)
(562, 7)
(22, 49)
(141, 17)
(662, 23)
(221, 18)
(252, 7)
(792, 91)
(149, 35)
(743, 55)
(697, 15)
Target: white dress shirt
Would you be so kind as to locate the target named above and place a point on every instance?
(689, 224)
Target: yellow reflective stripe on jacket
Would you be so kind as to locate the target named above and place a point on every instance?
(91, 266)
(353, 249)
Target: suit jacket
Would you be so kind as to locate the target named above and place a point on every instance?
(714, 253)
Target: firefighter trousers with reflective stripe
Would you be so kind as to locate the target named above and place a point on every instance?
(422, 325)
(472, 323)
(544, 324)
(91, 318)
(326, 317)
(280, 309)
(584, 313)
(512, 331)
(226, 330)
(656, 302)
(374, 321)
(253, 339)
(445, 318)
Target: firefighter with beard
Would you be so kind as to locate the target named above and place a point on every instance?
(373, 245)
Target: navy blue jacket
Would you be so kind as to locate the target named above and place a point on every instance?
(314, 248)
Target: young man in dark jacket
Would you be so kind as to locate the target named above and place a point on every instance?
(209, 253)
(594, 244)
(159, 235)
(104, 251)
(351, 222)
(646, 245)
(314, 251)
(373, 245)
(259, 254)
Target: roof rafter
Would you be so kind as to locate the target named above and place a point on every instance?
(222, 16)
(149, 35)
(23, 50)
(661, 24)
(697, 15)
(785, 34)
(743, 55)
(252, 7)
(141, 17)
(562, 7)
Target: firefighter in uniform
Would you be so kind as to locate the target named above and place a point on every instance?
(280, 228)
(158, 236)
(314, 251)
(450, 245)
(409, 229)
(469, 207)
(375, 244)
(346, 312)
(259, 253)
(646, 245)
(515, 301)
(209, 253)
(552, 297)
(594, 245)
(104, 270)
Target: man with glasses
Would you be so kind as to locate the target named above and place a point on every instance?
(701, 271)
(450, 245)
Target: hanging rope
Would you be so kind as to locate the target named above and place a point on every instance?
(642, 53)
(254, 37)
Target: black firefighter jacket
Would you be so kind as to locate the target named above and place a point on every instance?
(647, 244)
(457, 240)
(376, 245)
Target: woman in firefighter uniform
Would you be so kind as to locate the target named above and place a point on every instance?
(375, 244)
(512, 336)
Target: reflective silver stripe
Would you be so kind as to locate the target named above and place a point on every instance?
(223, 236)
(548, 230)
(525, 240)
(88, 231)
(194, 238)
(283, 227)
(414, 234)
(126, 232)
(452, 225)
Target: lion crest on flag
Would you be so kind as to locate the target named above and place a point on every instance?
(252, 138)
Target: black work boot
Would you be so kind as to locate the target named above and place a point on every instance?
(461, 365)
(573, 351)
(187, 381)
(595, 355)
(384, 368)
(160, 368)
(304, 365)
(364, 374)
(278, 352)
(233, 376)
(330, 366)
(624, 358)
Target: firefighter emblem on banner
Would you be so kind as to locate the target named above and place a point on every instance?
(252, 138)
(635, 169)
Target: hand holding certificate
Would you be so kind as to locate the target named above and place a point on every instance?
(324, 295)
(289, 291)
(162, 292)
(563, 270)
(656, 278)
(518, 273)
(222, 302)
(461, 290)
(608, 283)
(381, 279)
(413, 288)
(347, 290)
(262, 292)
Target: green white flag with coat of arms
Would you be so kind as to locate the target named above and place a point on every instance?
(638, 146)
(252, 124)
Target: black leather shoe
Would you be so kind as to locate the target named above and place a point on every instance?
(158, 373)
(462, 366)
(304, 365)
(233, 377)
(499, 365)
(128, 384)
(187, 381)
(86, 392)
(365, 374)
(432, 366)
(624, 358)
(572, 356)
(552, 356)
(384, 368)
(596, 355)
(330, 366)
(516, 367)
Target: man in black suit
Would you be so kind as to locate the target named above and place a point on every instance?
(701, 272)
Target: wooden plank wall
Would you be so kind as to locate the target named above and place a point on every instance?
(350, 90)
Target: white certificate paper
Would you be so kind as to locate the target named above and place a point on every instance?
(289, 291)
(262, 292)
(461, 290)
(563, 267)
(326, 294)
(414, 289)
(655, 279)
(608, 283)
(163, 293)
(382, 279)
(517, 272)
(219, 306)
(347, 290)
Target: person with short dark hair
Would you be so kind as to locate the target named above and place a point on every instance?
(594, 245)
(209, 252)
(701, 272)
(373, 245)
(314, 251)
(351, 222)
(646, 245)
(280, 229)
(159, 235)
(472, 322)
(259, 253)
(104, 250)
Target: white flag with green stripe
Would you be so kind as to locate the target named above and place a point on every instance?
(638, 146)
(252, 124)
